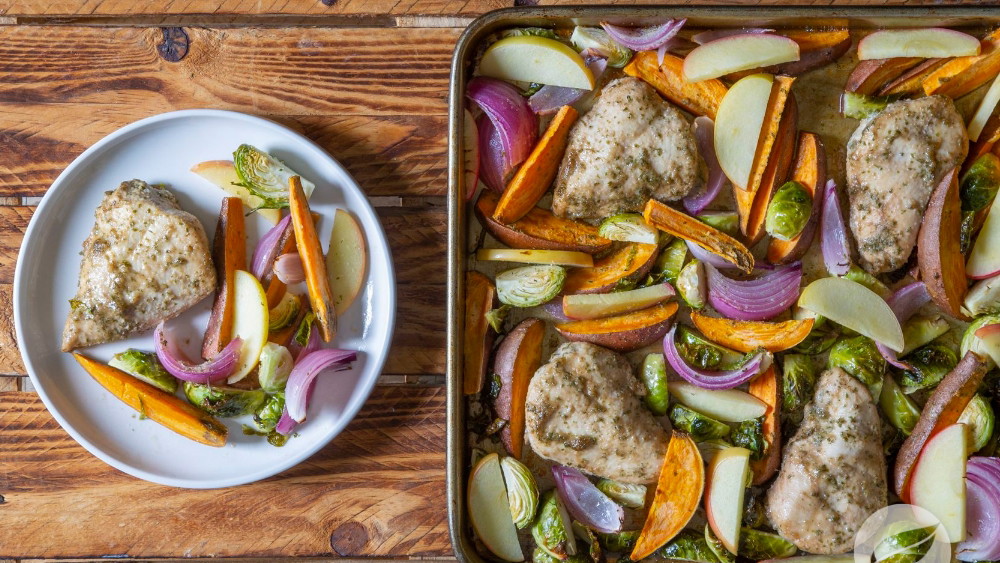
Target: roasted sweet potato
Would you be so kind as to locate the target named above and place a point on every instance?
(699, 98)
(540, 229)
(169, 410)
(767, 388)
(776, 172)
(780, 92)
(816, 50)
(630, 262)
(911, 81)
(942, 409)
(745, 336)
(517, 358)
(987, 141)
(677, 496)
(229, 251)
(535, 176)
(623, 333)
(809, 170)
(961, 75)
(939, 255)
(311, 251)
(711, 239)
(870, 76)
(480, 294)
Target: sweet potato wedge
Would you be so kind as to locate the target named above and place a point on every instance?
(767, 388)
(517, 358)
(942, 409)
(816, 50)
(169, 410)
(711, 239)
(311, 251)
(699, 98)
(939, 256)
(745, 336)
(535, 176)
(961, 75)
(480, 293)
(776, 172)
(630, 262)
(229, 251)
(870, 76)
(780, 91)
(677, 496)
(987, 141)
(911, 81)
(539, 229)
(809, 170)
(623, 333)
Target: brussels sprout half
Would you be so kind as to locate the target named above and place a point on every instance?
(584, 38)
(859, 357)
(265, 176)
(983, 298)
(274, 367)
(654, 376)
(691, 284)
(625, 494)
(699, 426)
(144, 366)
(703, 354)
(980, 184)
(622, 542)
(671, 260)
(758, 545)
(921, 330)
(898, 408)
(224, 401)
(688, 545)
(798, 378)
(789, 211)
(749, 434)
(979, 417)
(552, 529)
(284, 313)
(715, 546)
(628, 227)
(908, 545)
(726, 221)
(856, 274)
(530, 286)
(522, 491)
(929, 366)
(860, 106)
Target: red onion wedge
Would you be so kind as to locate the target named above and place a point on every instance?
(285, 424)
(712, 35)
(713, 380)
(305, 371)
(515, 123)
(833, 233)
(585, 502)
(267, 248)
(288, 268)
(644, 38)
(758, 299)
(982, 540)
(704, 134)
(178, 365)
(904, 303)
(493, 168)
(548, 99)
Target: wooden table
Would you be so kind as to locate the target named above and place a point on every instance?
(367, 79)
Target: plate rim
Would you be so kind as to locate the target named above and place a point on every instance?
(349, 412)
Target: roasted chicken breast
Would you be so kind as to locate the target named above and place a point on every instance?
(584, 410)
(894, 161)
(833, 473)
(630, 147)
(145, 260)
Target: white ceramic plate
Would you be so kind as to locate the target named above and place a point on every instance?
(162, 149)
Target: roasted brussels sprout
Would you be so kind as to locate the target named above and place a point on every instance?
(701, 353)
(144, 366)
(625, 494)
(798, 378)
(284, 313)
(978, 416)
(584, 38)
(273, 368)
(691, 284)
(860, 106)
(749, 434)
(699, 426)
(671, 260)
(594, 552)
(972, 342)
(754, 511)
(901, 412)
(268, 416)
(726, 221)
(920, 331)
(758, 545)
(535, 31)
(630, 227)
(980, 184)
(788, 212)
(265, 176)
(908, 545)
(622, 542)
(539, 555)
(530, 286)
(983, 298)
(522, 492)
(966, 231)
(305, 328)
(930, 364)
(552, 529)
(224, 401)
(654, 376)
(820, 340)
(859, 357)
(496, 317)
(716, 547)
(858, 275)
(688, 545)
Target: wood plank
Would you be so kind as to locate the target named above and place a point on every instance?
(230, 8)
(376, 490)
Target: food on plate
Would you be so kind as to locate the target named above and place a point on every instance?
(894, 161)
(633, 142)
(517, 359)
(942, 266)
(224, 401)
(489, 510)
(925, 42)
(678, 493)
(566, 407)
(223, 174)
(346, 260)
(820, 506)
(477, 336)
(629, 263)
(307, 241)
(540, 229)
(699, 98)
(267, 177)
(144, 366)
(582, 306)
(738, 52)
(250, 323)
(531, 58)
(146, 260)
(229, 251)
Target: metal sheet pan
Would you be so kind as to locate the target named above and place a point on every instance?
(856, 18)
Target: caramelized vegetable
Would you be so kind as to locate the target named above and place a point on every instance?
(713, 240)
(623, 333)
(629, 263)
(870, 76)
(699, 98)
(517, 358)
(478, 336)
(816, 50)
(539, 229)
(776, 172)
(780, 90)
(160, 406)
(809, 171)
(767, 388)
(313, 262)
(745, 336)
(961, 75)
(911, 81)
(229, 252)
(939, 256)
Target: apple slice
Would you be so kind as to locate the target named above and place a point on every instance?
(938, 482)
(738, 124)
(346, 260)
(489, 510)
(726, 486)
(530, 58)
(556, 257)
(250, 322)
(738, 52)
(222, 173)
(727, 405)
(931, 42)
(984, 260)
(584, 306)
(986, 108)
(854, 306)
(989, 341)
(470, 150)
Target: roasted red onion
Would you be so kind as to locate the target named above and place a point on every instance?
(268, 247)
(305, 371)
(982, 540)
(833, 233)
(548, 99)
(493, 169)
(644, 38)
(758, 299)
(289, 269)
(714, 380)
(904, 303)
(515, 123)
(285, 424)
(712, 35)
(704, 134)
(179, 366)
(585, 502)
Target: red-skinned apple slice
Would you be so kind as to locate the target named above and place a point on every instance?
(726, 485)
(599, 305)
(932, 42)
(984, 260)
(938, 482)
(470, 150)
(738, 126)
(989, 341)
(738, 52)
